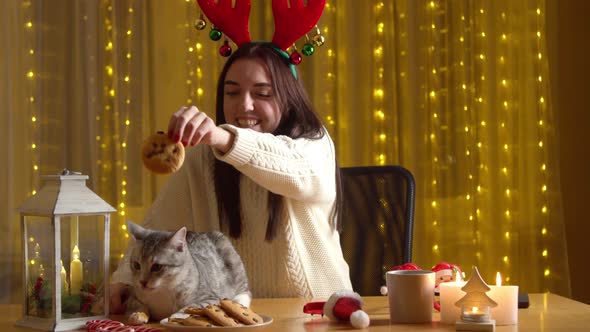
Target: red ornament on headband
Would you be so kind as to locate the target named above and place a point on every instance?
(291, 22)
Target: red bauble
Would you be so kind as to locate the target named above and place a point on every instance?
(225, 49)
(296, 58)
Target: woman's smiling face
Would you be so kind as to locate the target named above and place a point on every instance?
(249, 100)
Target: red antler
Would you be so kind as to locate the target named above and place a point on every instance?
(231, 21)
(292, 23)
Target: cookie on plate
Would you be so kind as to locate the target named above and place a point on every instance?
(161, 155)
(194, 311)
(198, 321)
(219, 316)
(243, 314)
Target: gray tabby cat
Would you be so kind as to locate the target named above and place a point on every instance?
(172, 270)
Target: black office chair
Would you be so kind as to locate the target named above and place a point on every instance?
(377, 223)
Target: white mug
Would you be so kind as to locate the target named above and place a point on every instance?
(411, 295)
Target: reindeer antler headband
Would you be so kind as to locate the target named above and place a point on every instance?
(291, 23)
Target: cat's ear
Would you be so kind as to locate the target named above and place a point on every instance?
(137, 232)
(178, 240)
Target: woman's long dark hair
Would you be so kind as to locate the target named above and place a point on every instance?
(298, 120)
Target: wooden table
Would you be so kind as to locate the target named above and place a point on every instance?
(547, 312)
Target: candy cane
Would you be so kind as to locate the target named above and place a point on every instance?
(95, 324)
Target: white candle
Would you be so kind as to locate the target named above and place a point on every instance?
(450, 292)
(75, 272)
(506, 313)
(63, 276)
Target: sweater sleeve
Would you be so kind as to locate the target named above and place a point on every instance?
(301, 169)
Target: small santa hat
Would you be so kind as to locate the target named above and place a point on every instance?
(344, 305)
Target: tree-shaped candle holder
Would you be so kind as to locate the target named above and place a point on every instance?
(475, 306)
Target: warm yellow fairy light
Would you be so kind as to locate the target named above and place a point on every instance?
(544, 253)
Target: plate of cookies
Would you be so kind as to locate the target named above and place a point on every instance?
(227, 315)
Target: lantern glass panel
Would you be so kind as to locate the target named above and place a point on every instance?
(82, 254)
(39, 276)
(80, 266)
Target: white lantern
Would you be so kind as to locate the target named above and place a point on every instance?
(65, 242)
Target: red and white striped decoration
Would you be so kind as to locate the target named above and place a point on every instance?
(107, 325)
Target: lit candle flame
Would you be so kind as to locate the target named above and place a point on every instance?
(498, 279)
(76, 252)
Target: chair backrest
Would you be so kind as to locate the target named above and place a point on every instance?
(377, 223)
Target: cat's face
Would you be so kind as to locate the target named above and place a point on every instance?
(157, 259)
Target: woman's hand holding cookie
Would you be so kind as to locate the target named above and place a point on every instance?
(161, 155)
(190, 126)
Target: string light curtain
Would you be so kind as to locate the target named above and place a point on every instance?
(456, 91)
(473, 89)
(75, 96)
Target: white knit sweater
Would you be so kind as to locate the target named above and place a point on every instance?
(305, 259)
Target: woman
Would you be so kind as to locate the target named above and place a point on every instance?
(265, 174)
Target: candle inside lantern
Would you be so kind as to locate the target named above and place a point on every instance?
(63, 275)
(75, 272)
(506, 313)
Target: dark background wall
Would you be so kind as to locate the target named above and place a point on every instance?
(569, 57)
